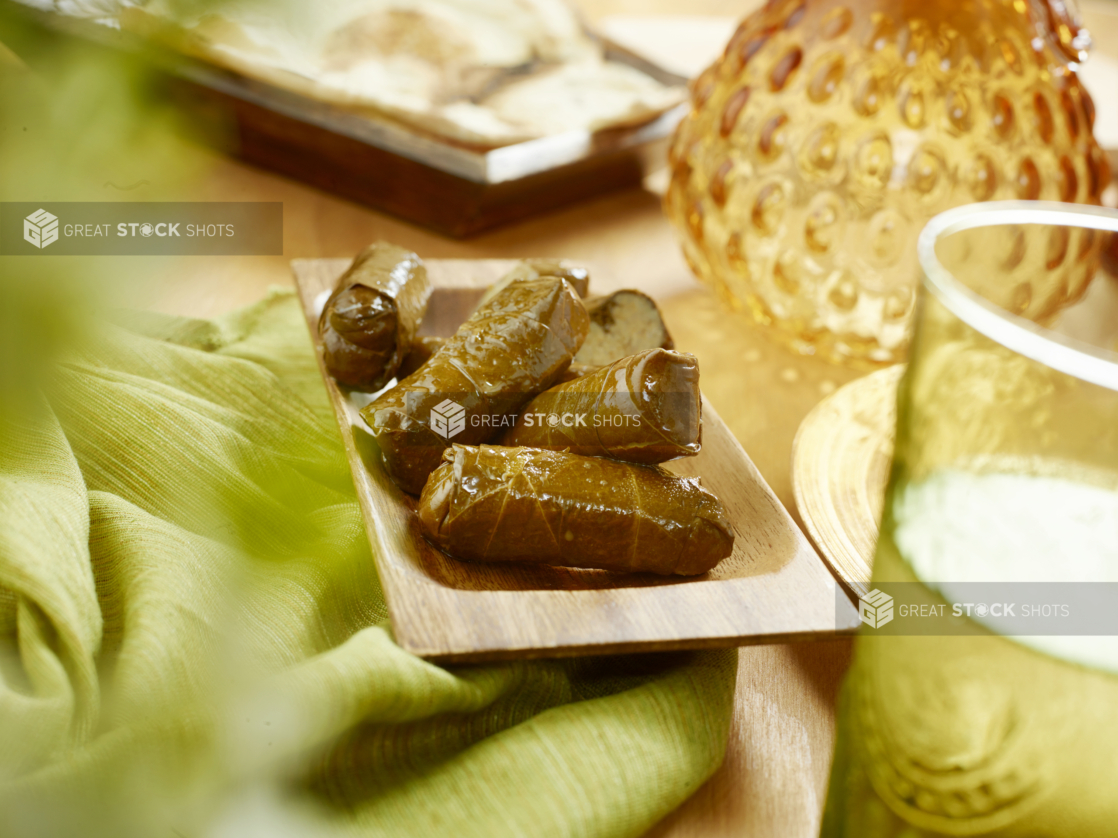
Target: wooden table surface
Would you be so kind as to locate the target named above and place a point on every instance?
(773, 781)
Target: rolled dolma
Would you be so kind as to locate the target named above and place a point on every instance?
(641, 409)
(424, 347)
(621, 324)
(535, 268)
(371, 318)
(493, 504)
(511, 348)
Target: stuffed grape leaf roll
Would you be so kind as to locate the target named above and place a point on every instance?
(370, 320)
(528, 505)
(511, 348)
(642, 409)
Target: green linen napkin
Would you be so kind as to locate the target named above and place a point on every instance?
(193, 640)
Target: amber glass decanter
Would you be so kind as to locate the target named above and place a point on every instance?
(830, 131)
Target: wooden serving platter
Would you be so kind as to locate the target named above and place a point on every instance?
(773, 588)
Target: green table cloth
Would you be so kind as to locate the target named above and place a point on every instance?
(193, 641)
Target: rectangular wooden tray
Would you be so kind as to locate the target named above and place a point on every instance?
(773, 588)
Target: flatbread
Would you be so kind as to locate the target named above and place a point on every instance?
(480, 72)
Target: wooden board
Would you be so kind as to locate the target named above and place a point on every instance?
(774, 587)
(321, 146)
(455, 189)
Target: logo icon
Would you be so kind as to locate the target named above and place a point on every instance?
(146, 230)
(448, 418)
(40, 228)
(876, 608)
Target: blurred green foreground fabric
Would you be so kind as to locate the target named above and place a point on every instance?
(193, 641)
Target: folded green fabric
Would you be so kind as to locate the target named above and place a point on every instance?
(193, 640)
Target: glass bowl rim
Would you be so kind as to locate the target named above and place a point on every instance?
(1072, 357)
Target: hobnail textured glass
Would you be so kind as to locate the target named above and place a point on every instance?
(829, 132)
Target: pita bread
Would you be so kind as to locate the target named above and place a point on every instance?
(478, 72)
